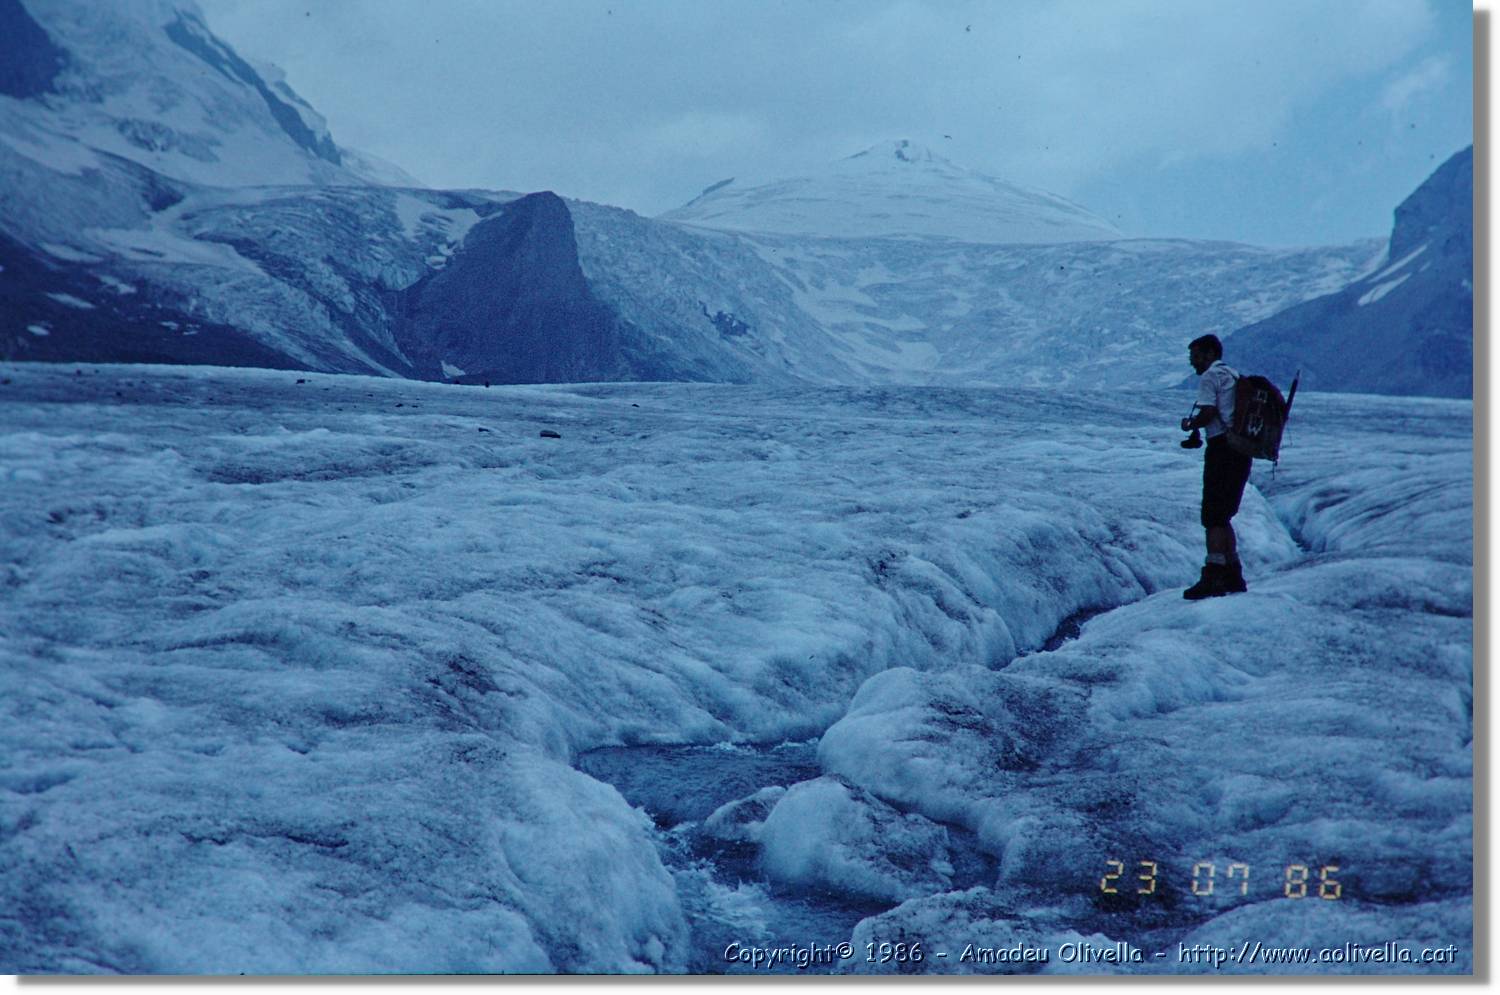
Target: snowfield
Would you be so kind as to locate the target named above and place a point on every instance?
(895, 188)
(303, 673)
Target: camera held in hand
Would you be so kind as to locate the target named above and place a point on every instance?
(1194, 441)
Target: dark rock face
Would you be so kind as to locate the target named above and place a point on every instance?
(1406, 329)
(29, 61)
(513, 306)
(1442, 208)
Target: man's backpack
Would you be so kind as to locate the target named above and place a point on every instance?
(1260, 414)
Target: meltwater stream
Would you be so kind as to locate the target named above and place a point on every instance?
(726, 896)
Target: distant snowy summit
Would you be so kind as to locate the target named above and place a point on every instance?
(897, 189)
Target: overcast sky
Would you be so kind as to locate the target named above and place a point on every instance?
(1276, 123)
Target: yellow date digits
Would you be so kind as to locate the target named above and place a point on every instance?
(1149, 877)
(1203, 878)
(1296, 881)
(1244, 870)
(1107, 883)
(1327, 887)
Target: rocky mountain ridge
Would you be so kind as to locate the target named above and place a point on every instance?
(1406, 328)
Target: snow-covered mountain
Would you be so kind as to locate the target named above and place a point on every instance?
(1407, 327)
(148, 82)
(182, 249)
(896, 189)
(124, 129)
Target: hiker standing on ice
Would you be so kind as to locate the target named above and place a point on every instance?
(1225, 470)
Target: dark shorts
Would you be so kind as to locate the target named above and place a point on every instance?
(1224, 474)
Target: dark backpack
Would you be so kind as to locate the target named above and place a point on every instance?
(1260, 414)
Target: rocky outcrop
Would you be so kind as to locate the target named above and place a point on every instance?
(512, 305)
(1405, 329)
(1442, 208)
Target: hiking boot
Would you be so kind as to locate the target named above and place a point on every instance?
(1234, 580)
(1210, 583)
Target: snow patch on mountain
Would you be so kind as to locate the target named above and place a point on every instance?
(68, 253)
(70, 301)
(422, 218)
(1381, 289)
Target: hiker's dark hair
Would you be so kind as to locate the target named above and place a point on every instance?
(1209, 342)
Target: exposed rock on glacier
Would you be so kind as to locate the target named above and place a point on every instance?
(513, 305)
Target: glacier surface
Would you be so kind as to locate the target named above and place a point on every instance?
(322, 673)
